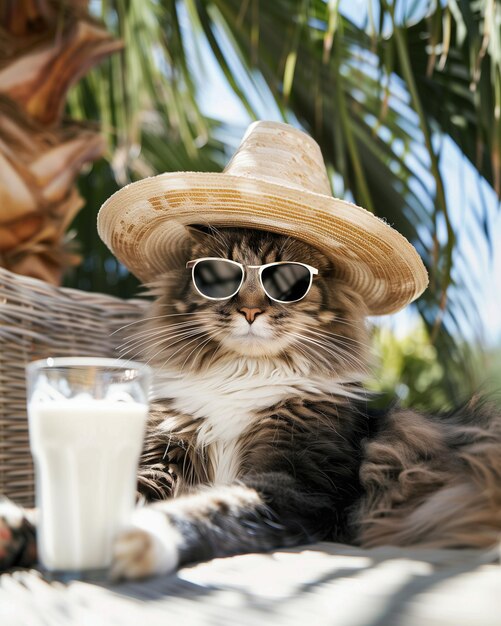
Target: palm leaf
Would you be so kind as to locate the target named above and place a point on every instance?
(376, 97)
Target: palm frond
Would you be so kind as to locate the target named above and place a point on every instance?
(377, 95)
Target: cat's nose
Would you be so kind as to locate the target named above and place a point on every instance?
(250, 314)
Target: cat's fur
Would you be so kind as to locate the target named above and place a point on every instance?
(260, 436)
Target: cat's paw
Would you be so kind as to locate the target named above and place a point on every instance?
(17, 536)
(149, 546)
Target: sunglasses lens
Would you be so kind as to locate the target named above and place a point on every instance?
(286, 282)
(217, 278)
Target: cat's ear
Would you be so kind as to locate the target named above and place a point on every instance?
(199, 233)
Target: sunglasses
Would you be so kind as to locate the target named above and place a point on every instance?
(283, 281)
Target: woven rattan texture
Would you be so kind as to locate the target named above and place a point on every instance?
(38, 320)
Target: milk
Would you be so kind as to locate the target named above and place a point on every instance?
(86, 455)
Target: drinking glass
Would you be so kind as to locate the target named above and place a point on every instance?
(87, 419)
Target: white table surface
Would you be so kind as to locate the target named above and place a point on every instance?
(309, 586)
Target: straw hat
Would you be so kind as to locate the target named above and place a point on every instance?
(276, 181)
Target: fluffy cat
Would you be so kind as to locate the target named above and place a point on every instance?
(260, 436)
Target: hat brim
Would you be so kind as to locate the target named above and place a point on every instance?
(144, 225)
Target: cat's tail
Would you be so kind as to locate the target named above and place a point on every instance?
(434, 482)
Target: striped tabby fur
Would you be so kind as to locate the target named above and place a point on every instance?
(259, 436)
(308, 460)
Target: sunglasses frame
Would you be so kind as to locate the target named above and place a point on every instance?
(192, 264)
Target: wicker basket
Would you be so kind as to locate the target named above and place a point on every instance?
(38, 320)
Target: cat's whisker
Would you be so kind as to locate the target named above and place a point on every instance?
(195, 334)
(170, 324)
(338, 320)
(211, 338)
(288, 360)
(360, 320)
(356, 393)
(204, 342)
(169, 327)
(152, 343)
(313, 321)
(142, 352)
(182, 347)
(340, 345)
(325, 334)
(348, 358)
(339, 355)
(341, 352)
(155, 333)
(286, 241)
(146, 337)
(319, 331)
(300, 338)
(303, 352)
(220, 345)
(147, 319)
(165, 304)
(335, 343)
(353, 361)
(152, 332)
(216, 234)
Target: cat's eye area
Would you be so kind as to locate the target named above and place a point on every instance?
(286, 282)
(283, 281)
(216, 279)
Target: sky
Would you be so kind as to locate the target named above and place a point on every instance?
(468, 196)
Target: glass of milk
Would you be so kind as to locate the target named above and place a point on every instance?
(87, 420)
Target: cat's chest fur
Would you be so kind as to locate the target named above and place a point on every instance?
(227, 403)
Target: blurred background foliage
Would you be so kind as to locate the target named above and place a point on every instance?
(380, 93)
(409, 370)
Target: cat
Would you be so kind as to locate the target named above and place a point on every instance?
(260, 436)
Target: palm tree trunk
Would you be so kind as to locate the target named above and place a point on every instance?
(45, 47)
